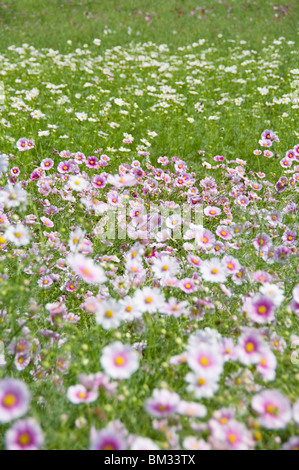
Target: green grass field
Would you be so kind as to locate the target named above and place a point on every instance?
(130, 112)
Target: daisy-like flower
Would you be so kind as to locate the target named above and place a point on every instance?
(174, 308)
(149, 299)
(24, 435)
(77, 183)
(205, 359)
(204, 238)
(260, 309)
(17, 234)
(14, 399)
(128, 310)
(163, 403)
(166, 266)
(223, 232)
(212, 211)
(109, 438)
(191, 408)
(201, 385)
(267, 366)
(86, 269)
(81, 116)
(108, 314)
(120, 181)
(273, 408)
(77, 394)
(188, 285)
(192, 443)
(213, 270)
(273, 292)
(251, 347)
(24, 144)
(47, 222)
(119, 360)
(233, 436)
(232, 264)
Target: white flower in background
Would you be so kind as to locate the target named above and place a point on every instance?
(81, 116)
(97, 42)
(3, 163)
(17, 234)
(77, 183)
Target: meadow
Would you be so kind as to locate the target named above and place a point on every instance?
(149, 191)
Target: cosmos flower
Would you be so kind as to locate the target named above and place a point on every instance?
(273, 408)
(108, 314)
(14, 399)
(77, 394)
(213, 270)
(149, 299)
(24, 435)
(205, 359)
(260, 309)
(163, 403)
(109, 438)
(86, 269)
(119, 360)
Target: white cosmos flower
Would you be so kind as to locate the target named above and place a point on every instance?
(17, 234)
(107, 314)
(77, 183)
(274, 292)
(149, 299)
(213, 270)
(166, 266)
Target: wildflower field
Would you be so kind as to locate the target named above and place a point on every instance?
(149, 198)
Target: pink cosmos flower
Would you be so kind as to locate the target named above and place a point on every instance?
(110, 438)
(119, 360)
(163, 403)
(14, 399)
(212, 211)
(24, 144)
(24, 435)
(251, 347)
(77, 394)
(267, 365)
(273, 408)
(86, 269)
(47, 222)
(260, 309)
(233, 436)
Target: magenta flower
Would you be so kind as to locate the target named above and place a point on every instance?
(14, 399)
(163, 403)
(24, 435)
(260, 309)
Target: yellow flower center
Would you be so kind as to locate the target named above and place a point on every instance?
(9, 400)
(24, 439)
